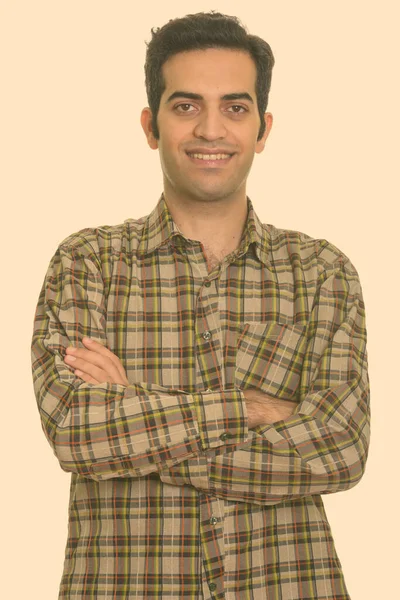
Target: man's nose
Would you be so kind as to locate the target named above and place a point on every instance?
(211, 125)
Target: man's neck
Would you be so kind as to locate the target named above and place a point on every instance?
(218, 225)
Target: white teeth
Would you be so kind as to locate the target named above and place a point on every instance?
(209, 156)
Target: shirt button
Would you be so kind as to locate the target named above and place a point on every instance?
(225, 436)
(208, 390)
(213, 520)
(212, 586)
(207, 283)
(207, 335)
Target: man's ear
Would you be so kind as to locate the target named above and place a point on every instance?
(145, 120)
(268, 124)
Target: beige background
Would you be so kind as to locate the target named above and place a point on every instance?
(73, 155)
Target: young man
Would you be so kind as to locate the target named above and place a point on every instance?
(224, 386)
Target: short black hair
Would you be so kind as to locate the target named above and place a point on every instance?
(199, 32)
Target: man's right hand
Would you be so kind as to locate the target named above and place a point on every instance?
(263, 409)
(95, 363)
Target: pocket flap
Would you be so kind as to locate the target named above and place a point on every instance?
(270, 357)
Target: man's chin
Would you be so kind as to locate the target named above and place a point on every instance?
(211, 194)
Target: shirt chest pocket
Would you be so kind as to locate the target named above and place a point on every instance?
(270, 357)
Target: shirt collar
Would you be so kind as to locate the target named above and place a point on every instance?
(160, 229)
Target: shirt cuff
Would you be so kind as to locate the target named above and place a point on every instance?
(222, 418)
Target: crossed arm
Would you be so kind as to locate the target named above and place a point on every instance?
(237, 444)
(97, 364)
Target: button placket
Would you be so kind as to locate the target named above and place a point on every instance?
(211, 531)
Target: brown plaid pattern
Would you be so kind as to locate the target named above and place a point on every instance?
(172, 496)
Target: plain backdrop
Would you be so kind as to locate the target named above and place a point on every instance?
(73, 155)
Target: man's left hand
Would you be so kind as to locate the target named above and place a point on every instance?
(96, 364)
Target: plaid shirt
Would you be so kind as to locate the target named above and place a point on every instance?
(172, 495)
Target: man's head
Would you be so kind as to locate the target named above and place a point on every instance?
(207, 96)
(199, 32)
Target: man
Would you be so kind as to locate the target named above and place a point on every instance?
(203, 376)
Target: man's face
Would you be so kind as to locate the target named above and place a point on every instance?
(207, 111)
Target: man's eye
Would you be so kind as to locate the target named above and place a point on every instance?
(242, 109)
(183, 107)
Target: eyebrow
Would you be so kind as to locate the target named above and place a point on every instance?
(192, 96)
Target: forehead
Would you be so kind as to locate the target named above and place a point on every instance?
(214, 69)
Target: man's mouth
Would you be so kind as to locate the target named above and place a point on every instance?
(211, 161)
(209, 156)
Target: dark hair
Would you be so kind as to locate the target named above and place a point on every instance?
(198, 32)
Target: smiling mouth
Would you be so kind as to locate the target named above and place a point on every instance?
(209, 156)
(210, 160)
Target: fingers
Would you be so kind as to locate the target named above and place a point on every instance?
(95, 346)
(97, 364)
(86, 377)
(75, 356)
(93, 367)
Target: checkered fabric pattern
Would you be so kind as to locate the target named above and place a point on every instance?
(172, 495)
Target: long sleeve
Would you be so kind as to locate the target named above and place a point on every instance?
(109, 430)
(322, 448)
